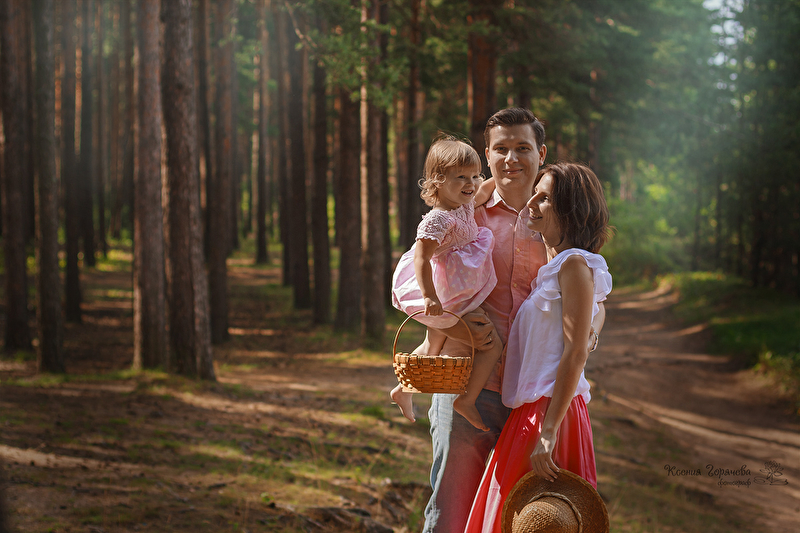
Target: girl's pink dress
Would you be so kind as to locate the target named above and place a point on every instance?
(463, 273)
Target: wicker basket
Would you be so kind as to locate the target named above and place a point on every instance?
(432, 373)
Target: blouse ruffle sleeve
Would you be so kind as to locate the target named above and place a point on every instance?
(434, 226)
(550, 290)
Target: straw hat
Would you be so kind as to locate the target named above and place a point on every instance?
(567, 505)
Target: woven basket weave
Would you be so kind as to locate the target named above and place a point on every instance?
(432, 373)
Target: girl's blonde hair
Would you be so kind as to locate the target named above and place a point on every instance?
(446, 152)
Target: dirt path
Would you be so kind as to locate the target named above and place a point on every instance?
(741, 443)
(122, 454)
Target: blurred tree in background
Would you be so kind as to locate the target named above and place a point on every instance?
(314, 116)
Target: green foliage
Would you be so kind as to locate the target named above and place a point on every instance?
(644, 244)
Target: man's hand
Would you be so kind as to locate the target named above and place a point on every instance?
(479, 325)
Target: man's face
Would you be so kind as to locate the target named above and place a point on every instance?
(513, 156)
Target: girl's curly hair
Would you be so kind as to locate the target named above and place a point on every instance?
(445, 152)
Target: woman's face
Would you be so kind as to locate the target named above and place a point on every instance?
(541, 215)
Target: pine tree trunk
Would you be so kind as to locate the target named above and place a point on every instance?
(296, 194)
(262, 253)
(235, 210)
(481, 72)
(206, 159)
(348, 205)
(102, 134)
(413, 206)
(68, 164)
(126, 198)
(282, 142)
(86, 165)
(219, 203)
(114, 175)
(319, 202)
(50, 352)
(190, 339)
(29, 197)
(12, 72)
(149, 312)
(373, 181)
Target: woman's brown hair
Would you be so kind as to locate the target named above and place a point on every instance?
(579, 205)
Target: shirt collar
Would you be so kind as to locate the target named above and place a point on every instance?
(497, 200)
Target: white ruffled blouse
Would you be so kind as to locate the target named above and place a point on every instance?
(536, 340)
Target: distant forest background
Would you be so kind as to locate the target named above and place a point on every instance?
(181, 129)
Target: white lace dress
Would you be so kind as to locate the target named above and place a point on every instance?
(536, 341)
(463, 273)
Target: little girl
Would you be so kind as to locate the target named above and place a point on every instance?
(543, 379)
(449, 267)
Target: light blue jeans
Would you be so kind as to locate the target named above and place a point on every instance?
(459, 457)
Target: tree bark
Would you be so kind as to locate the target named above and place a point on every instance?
(126, 198)
(296, 194)
(190, 339)
(373, 210)
(206, 159)
(12, 69)
(114, 175)
(149, 313)
(86, 164)
(29, 208)
(68, 164)
(481, 73)
(50, 352)
(102, 134)
(219, 203)
(413, 206)
(282, 142)
(319, 202)
(262, 252)
(348, 205)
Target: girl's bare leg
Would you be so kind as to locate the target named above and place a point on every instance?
(482, 366)
(432, 345)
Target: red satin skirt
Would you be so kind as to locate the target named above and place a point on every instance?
(574, 451)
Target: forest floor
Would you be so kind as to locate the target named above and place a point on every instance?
(298, 433)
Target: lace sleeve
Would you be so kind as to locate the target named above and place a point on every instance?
(548, 288)
(434, 226)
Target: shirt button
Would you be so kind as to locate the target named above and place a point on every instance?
(517, 250)
(515, 285)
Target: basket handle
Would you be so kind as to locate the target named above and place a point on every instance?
(412, 315)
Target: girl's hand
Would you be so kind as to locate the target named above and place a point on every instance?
(433, 307)
(542, 458)
(485, 192)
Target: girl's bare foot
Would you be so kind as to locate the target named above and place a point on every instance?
(404, 401)
(468, 410)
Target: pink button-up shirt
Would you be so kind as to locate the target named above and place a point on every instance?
(518, 253)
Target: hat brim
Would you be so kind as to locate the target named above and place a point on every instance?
(594, 515)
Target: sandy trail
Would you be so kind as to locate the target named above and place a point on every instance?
(737, 433)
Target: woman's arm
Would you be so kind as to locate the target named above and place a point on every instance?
(424, 272)
(577, 290)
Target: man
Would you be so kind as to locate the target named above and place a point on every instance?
(515, 150)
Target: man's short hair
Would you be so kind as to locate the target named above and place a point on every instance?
(512, 116)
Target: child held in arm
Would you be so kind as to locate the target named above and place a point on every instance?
(449, 267)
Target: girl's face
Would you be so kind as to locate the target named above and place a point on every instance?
(459, 187)
(541, 215)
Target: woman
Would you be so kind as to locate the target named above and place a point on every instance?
(544, 383)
